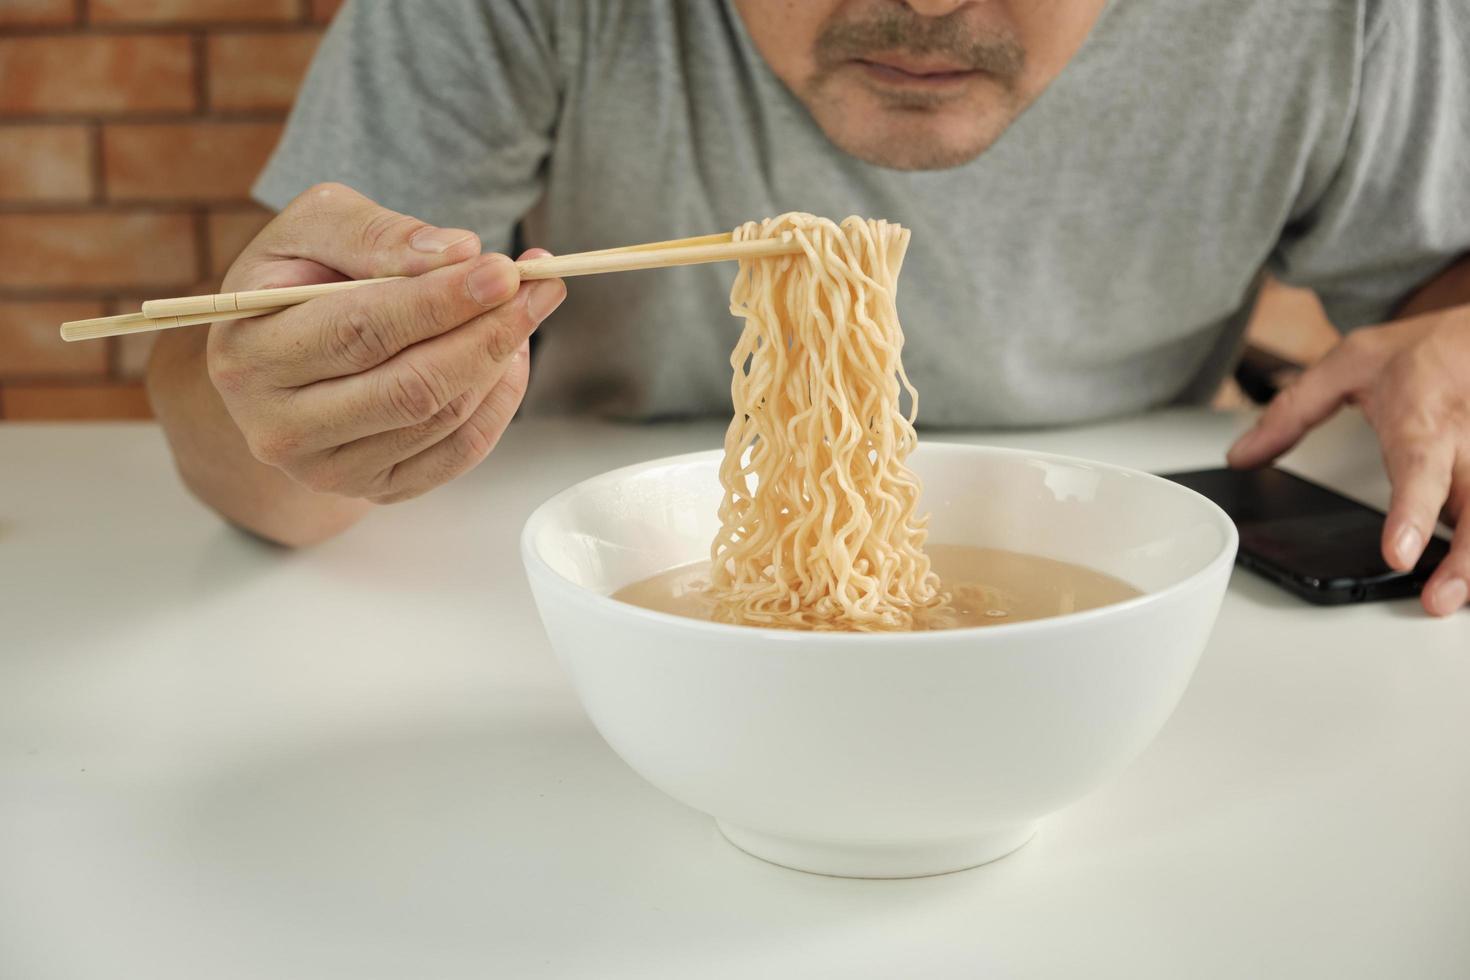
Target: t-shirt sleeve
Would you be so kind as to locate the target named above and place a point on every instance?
(444, 110)
(1397, 210)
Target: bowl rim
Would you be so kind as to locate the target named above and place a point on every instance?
(535, 564)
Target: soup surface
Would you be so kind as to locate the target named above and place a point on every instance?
(986, 585)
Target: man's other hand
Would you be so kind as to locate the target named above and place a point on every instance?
(1412, 380)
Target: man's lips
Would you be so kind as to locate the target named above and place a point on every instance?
(895, 70)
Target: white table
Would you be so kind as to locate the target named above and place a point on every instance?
(219, 760)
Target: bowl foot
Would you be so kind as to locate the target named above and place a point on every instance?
(859, 860)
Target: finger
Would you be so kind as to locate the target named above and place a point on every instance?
(279, 274)
(467, 446)
(334, 225)
(1314, 396)
(1448, 587)
(359, 468)
(1419, 469)
(356, 330)
(294, 272)
(418, 382)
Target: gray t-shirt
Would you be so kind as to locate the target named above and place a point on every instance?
(1099, 259)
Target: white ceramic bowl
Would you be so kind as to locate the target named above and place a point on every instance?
(885, 755)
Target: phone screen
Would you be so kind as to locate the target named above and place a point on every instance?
(1307, 535)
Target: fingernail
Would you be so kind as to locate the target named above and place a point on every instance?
(1450, 596)
(493, 281)
(1408, 545)
(544, 297)
(437, 241)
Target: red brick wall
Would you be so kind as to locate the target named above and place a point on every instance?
(130, 132)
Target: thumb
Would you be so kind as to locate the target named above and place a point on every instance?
(334, 226)
(1305, 403)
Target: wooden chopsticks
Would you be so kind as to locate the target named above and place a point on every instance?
(183, 311)
(250, 300)
(114, 326)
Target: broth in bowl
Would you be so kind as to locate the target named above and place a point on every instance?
(985, 587)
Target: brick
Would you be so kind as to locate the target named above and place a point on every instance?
(122, 73)
(36, 12)
(29, 402)
(30, 345)
(206, 161)
(229, 233)
(96, 250)
(192, 11)
(258, 71)
(324, 10)
(45, 163)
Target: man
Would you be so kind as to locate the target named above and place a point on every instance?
(1094, 190)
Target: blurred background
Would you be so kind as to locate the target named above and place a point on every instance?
(130, 133)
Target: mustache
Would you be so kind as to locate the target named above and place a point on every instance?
(901, 31)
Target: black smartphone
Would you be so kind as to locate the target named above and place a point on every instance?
(1311, 540)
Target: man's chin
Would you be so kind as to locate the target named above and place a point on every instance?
(916, 144)
(911, 135)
